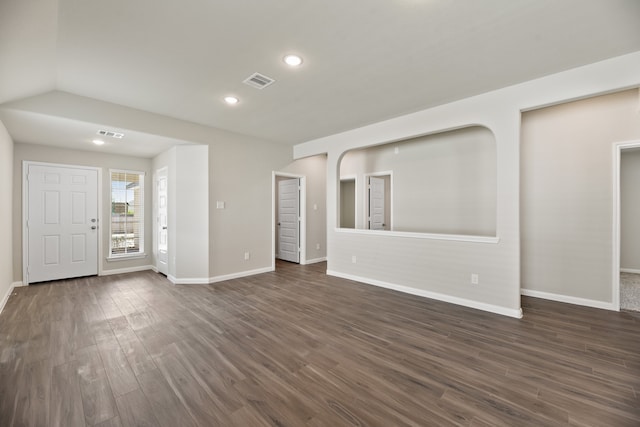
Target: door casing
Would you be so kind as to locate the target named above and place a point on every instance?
(288, 186)
(162, 267)
(25, 212)
(389, 203)
(303, 215)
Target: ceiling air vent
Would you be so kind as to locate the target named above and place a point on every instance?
(111, 134)
(259, 81)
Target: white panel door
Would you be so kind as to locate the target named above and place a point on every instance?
(62, 222)
(376, 203)
(289, 219)
(162, 237)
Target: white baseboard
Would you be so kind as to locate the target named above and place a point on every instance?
(568, 299)
(8, 294)
(629, 270)
(188, 280)
(126, 270)
(240, 274)
(215, 279)
(517, 313)
(315, 260)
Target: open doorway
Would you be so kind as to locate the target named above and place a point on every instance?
(288, 218)
(627, 234)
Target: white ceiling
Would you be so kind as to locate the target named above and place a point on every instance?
(364, 60)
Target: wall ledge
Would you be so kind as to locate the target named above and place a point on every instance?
(416, 235)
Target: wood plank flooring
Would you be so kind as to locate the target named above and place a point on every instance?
(298, 348)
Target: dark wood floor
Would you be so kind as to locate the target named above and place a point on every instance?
(298, 348)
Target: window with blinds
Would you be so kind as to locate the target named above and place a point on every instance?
(127, 213)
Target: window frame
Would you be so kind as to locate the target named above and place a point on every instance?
(140, 253)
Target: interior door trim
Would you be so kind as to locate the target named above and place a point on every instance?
(25, 211)
(302, 213)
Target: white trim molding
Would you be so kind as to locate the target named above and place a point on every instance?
(188, 280)
(315, 260)
(303, 216)
(216, 279)
(240, 274)
(517, 313)
(629, 270)
(126, 270)
(5, 299)
(569, 299)
(616, 226)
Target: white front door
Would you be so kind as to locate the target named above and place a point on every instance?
(289, 219)
(376, 203)
(62, 222)
(162, 237)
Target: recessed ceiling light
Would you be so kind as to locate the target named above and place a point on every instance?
(98, 142)
(292, 60)
(231, 100)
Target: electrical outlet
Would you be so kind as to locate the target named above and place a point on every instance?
(317, 246)
(353, 259)
(247, 255)
(475, 279)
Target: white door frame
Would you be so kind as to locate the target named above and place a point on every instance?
(25, 212)
(303, 215)
(366, 197)
(154, 230)
(615, 274)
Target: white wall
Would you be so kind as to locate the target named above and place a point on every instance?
(188, 212)
(41, 153)
(441, 268)
(567, 193)
(240, 175)
(315, 170)
(191, 199)
(28, 37)
(630, 208)
(443, 183)
(6, 213)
